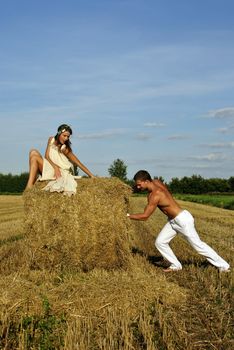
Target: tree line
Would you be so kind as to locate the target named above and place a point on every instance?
(194, 184)
(13, 183)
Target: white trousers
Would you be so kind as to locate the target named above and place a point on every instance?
(184, 223)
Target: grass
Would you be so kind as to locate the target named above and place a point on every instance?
(11, 216)
(225, 201)
(138, 308)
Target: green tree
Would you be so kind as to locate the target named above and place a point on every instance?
(13, 183)
(118, 169)
(217, 185)
(231, 183)
(160, 178)
(175, 185)
(76, 170)
(196, 184)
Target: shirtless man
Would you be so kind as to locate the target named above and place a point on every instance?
(179, 221)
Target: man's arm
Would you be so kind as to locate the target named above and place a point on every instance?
(149, 209)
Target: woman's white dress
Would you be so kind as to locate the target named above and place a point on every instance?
(66, 182)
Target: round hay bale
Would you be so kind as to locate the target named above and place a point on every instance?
(87, 230)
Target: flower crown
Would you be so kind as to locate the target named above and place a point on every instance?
(61, 131)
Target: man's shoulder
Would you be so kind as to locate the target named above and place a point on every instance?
(156, 193)
(158, 186)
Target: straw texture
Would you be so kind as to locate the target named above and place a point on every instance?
(87, 230)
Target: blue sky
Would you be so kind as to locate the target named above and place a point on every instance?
(150, 82)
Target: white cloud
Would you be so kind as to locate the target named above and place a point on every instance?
(209, 157)
(226, 130)
(154, 125)
(143, 137)
(223, 113)
(101, 135)
(219, 145)
(178, 137)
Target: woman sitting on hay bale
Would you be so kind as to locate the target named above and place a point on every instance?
(58, 164)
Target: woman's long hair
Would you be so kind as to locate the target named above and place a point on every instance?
(62, 128)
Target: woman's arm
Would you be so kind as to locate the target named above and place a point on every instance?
(57, 172)
(71, 156)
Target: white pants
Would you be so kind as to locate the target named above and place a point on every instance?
(184, 223)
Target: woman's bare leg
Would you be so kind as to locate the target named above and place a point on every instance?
(35, 167)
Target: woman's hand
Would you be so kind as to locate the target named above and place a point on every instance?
(57, 172)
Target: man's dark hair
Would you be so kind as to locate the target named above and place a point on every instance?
(142, 175)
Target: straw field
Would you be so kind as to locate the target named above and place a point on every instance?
(133, 305)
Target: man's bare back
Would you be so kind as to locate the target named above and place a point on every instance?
(158, 196)
(166, 202)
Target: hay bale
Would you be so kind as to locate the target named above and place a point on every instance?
(87, 230)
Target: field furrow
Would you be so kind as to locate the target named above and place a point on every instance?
(138, 308)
